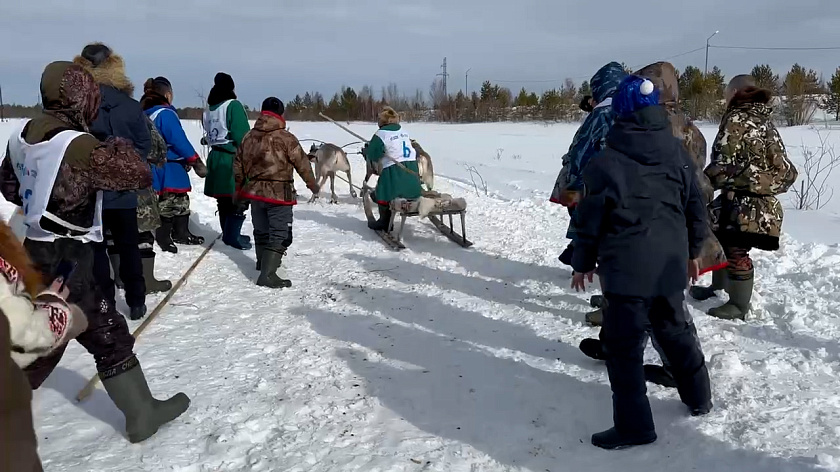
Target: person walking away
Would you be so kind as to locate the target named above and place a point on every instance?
(225, 124)
(391, 150)
(172, 183)
(750, 167)
(56, 171)
(643, 222)
(33, 322)
(121, 116)
(664, 77)
(588, 141)
(264, 174)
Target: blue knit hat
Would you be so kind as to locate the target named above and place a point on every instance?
(633, 94)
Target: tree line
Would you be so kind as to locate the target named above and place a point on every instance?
(799, 94)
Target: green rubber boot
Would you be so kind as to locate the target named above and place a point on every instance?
(269, 264)
(700, 293)
(740, 293)
(144, 414)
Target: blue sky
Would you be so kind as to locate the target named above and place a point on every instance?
(286, 47)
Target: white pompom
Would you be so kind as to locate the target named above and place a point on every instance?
(646, 88)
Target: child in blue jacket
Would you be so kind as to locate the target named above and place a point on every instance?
(170, 181)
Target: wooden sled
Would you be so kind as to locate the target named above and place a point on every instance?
(432, 205)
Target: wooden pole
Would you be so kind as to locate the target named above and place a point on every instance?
(91, 385)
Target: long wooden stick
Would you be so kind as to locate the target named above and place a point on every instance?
(91, 385)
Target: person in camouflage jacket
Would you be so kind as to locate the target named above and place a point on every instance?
(751, 168)
(263, 172)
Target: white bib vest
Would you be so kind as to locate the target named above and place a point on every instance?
(36, 167)
(397, 147)
(215, 125)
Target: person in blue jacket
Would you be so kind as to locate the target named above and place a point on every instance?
(171, 182)
(588, 141)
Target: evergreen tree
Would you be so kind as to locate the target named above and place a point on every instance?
(585, 89)
(765, 78)
(833, 101)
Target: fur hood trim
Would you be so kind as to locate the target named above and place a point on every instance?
(111, 73)
(751, 95)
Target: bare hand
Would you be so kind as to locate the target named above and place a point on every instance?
(694, 270)
(579, 280)
(56, 288)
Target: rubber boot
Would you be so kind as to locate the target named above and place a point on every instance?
(701, 293)
(152, 284)
(231, 232)
(144, 415)
(595, 318)
(270, 262)
(384, 221)
(181, 232)
(137, 312)
(611, 439)
(740, 293)
(259, 250)
(593, 348)
(163, 236)
(115, 267)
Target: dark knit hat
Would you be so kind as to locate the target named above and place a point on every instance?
(223, 82)
(273, 105)
(96, 53)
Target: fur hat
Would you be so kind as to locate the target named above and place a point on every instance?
(388, 116)
(633, 94)
(273, 105)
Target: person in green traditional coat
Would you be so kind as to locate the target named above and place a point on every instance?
(391, 151)
(225, 124)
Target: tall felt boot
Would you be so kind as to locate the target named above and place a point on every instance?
(270, 262)
(181, 231)
(701, 293)
(163, 236)
(115, 267)
(152, 284)
(740, 288)
(384, 221)
(231, 232)
(144, 415)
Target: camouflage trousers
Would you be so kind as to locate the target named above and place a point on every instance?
(740, 265)
(173, 204)
(148, 211)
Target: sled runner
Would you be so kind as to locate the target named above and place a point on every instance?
(433, 205)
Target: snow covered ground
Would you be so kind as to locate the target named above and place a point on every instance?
(445, 359)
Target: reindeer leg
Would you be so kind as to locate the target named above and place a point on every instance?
(333, 196)
(320, 182)
(350, 180)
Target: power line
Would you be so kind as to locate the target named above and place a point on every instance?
(587, 77)
(830, 48)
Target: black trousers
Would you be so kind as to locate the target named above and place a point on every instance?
(122, 227)
(107, 337)
(272, 225)
(626, 323)
(226, 207)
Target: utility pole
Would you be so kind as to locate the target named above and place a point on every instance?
(444, 74)
(706, 71)
(2, 107)
(467, 83)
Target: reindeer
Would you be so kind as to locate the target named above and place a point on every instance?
(329, 159)
(424, 165)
